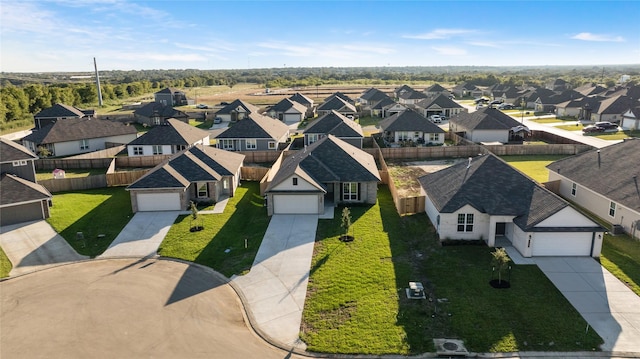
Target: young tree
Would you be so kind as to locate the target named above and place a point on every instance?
(500, 261)
(346, 220)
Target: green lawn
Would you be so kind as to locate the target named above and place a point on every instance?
(244, 218)
(70, 173)
(92, 212)
(620, 135)
(546, 120)
(621, 256)
(574, 127)
(533, 166)
(205, 125)
(368, 120)
(5, 264)
(356, 300)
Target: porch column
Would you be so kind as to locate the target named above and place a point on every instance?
(491, 241)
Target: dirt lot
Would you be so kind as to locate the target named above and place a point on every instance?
(405, 174)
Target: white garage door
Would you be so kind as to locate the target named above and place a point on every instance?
(295, 204)
(158, 202)
(289, 118)
(562, 244)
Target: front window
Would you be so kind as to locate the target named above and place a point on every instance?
(434, 137)
(137, 151)
(465, 222)
(156, 120)
(612, 209)
(203, 190)
(157, 149)
(574, 189)
(226, 144)
(84, 145)
(350, 191)
(311, 138)
(251, 144)
(272, 145)
(19, 163)
(403, 136)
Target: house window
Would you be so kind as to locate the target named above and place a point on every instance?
(84, 145)
(295, 181)
(612, 209)
(156, 120)
(251, 144)
(434, 137)
(226, 144)
(574, 189)
(203, 190)
(272, 145)
(311, 138)
(350, 191)
(19, 163)
(157, 149)
(137, 151)
(465, 222)
(403, 136)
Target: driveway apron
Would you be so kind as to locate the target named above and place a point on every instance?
(34, 246)
(142, 236)
(275, 289)
(607, 304)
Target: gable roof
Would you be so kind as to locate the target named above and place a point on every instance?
(256, 126)
(334, 123)
(174, 132)
(170, 90)
(441, 101)
(491, 186)
(485, 119)
(340, 95)
(198, 163)
(73, 129)
(614, 176)
(11, 151)
(159, 109)
(435, 88)
(249, 108)
(336, 103)
(383, 103)
(301, 99)
(329, 159)
(373, 94)
(60, 110)
(286, 104)
(616, 105)
(18, 190)
(409, 120)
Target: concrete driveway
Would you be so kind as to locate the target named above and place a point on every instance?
(35, 245)
(607, 304)
(142, 236)
(275, 289)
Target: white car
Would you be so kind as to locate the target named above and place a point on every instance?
(436, 119)
(200, 105)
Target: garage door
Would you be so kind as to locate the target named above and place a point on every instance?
(158, 202)
(21, 213)
(295, 204)
(289, 118)
(562, 244)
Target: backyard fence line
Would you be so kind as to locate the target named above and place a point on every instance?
(74, 184)
(253, 173)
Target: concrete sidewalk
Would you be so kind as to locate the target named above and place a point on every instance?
(274, 291)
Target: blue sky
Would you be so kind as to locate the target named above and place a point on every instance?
(41, 36)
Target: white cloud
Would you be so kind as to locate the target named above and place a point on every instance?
(288, 50)
(449, 50)
(484, 44)
(440, 34)
(587, 36)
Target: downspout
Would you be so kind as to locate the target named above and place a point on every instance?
(593, 241)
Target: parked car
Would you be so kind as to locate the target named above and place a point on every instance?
(201, 105)
(217, 120)
(608, 126)
(506, 106)
(435, 119)
(592, 129)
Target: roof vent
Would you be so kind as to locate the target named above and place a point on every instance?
(598, 151)
(469, 164)
(450, 347)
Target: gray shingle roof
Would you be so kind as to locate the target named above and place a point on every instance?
(435, 88)
(16, 190)
(287, 104)
(613, 178)
(383, 103)
(336, 124)
(72, 129)
(329, 159)
(441, 101)
(409, 120)
(373, 94)
(336, 103)
(484, 119)
(256, 126)
(301, 99)
(158, 109)
(11, 151)
(198, 163)
(60, 110)
(494, 187)
(340, 95)
(174, 132)
(249, 108)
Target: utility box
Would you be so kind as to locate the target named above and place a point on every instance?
(415, 291)
(617, 229)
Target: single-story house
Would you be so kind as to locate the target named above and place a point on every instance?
(237, 110)
(631, 119)
(605, 182)
(487, 199)
(337, 125)
(170, 96)
(172, 137)
(198, 174)
(435, 90)
(21, 198)
(370, 97)
(59, 111)
(466, 89)
(253, 133)
(487, 125)
(78, 135)
(411, 126)
(410, 98)
(329, 170)
(337, 103)
(438, 105)
(306, 102)
(287, 111)
(377, 109)
(156, 113)
(611, 109)
(575, 108)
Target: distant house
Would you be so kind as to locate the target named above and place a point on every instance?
(411, 126)
(340, 95)
(386, 107)
(467, 90)
(402, 91)
(605, 182)
(167, 139)
(409, 98)
(156, 113)
(237, 110)
(438, 105)
(339, 104)
(306, 102)
(611, 109)
(558, 85)
(287, 111)
(171, 97)
(79, 135)
(59, 111)
(337, 125)
(575, 107)
(198, 174)
(435, 90)
(549, 103)
(631, 119)
(371, 96)
(21, 198)
(487, 199)
(487, 125)
(329, 171)
(254, 133)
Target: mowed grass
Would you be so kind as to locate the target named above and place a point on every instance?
(244, 218)
(92, 212)
(533, 166)
(574, 127)
(71, 173)
(356, 301)
(621, 256)
(5, 264)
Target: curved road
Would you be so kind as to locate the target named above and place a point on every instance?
(126, 309)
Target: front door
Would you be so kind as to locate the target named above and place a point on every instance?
(500, 228)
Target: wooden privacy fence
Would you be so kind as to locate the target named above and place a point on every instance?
(124, 178)
(49, 164)
(260, 156)
(140, 161)
(75, 184)
(253, 173)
